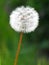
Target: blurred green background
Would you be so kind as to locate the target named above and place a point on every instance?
(35, 45)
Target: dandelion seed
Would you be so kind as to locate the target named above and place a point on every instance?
(24, 19)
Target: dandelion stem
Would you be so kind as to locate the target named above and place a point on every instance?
(18, 49)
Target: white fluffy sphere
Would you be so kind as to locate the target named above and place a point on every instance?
(24, 19)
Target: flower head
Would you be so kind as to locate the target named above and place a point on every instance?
(24, 19)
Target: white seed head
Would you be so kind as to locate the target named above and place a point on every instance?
(24, 19)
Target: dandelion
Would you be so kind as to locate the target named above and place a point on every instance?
(24, 20)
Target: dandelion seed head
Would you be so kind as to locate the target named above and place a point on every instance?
(24, 19)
